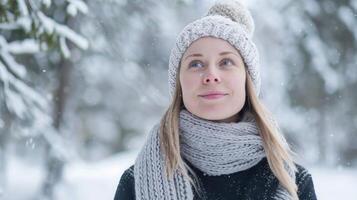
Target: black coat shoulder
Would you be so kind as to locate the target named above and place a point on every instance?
(306, 189)
(125, 189)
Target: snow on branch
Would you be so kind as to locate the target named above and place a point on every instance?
(28, 94)
(75, 5)
(64, 49)
(22, 7)
(25, 100)
(48, 24)
(52, 26)
(14, 102)
(47, 3)
(21, 23)
(26, 46)
(15, 67)
(9, 26)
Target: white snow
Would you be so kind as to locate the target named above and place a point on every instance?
(72, 10)
(50, 25)
(4, 75)
(22, 7)
(21, 176)
(312, 7)
(47, 3)
(22, 97)
(25, 23)
(82, 180)
(1, 125)
(8, 26)
(75, 5)
(15, 103)
(332, 184)
(64, 49)
(15, 67)
(29, 46)
(94, 181)
(79, 5)
(47, 22)
(98, 180)
(348, 17)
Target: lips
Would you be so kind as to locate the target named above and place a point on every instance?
(213, 95)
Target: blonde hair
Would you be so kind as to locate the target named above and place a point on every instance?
(278, 153)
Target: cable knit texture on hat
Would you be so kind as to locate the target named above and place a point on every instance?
(227, 20)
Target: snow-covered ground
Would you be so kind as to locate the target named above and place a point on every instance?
(335, 184)
(93, 181)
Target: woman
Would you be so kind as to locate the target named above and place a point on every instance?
(216, 140)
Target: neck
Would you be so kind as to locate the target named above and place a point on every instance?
(234, 118)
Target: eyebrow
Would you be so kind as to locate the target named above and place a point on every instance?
(221, 54)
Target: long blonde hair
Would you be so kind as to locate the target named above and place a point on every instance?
(278, 153)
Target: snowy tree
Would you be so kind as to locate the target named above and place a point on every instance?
(309, 48)
(29, 29)
(120, 83)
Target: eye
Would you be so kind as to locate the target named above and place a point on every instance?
(227, 62)
(195, 64)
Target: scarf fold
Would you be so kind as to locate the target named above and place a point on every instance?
(215, 148)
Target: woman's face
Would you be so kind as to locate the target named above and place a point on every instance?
(212, 78)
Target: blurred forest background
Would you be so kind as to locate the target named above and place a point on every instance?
(85, 80)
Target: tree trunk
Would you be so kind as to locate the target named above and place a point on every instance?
(54, 164)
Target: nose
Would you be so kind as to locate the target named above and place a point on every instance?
(211, 77)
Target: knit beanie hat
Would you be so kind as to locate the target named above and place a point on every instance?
(228, 20)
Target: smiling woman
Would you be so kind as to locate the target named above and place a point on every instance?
(213, 80)
(216, 140)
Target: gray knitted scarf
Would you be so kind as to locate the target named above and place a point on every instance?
(214, 148)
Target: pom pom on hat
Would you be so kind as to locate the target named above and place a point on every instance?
(235, 11)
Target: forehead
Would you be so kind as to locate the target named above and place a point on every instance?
(209, 44)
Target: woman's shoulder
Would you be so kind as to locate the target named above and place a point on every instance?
(129, 172)
(303, 179)
(302, 173)
(126, 186)
(304, 182)
(127, 176)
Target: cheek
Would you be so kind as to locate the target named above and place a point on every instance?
(238, 85)
(188, 83)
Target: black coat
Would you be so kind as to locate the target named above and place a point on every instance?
(255, 183)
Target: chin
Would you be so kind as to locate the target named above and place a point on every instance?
(215, 116)
(213, 113)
